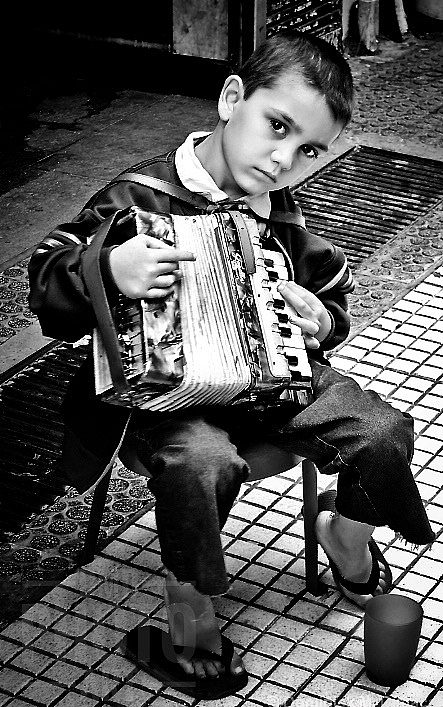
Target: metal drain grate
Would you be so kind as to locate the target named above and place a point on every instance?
(366, 197)
(31, 432)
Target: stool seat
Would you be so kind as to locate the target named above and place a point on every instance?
(264, 460)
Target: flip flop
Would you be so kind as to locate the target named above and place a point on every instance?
(151, 648)
(326, 502)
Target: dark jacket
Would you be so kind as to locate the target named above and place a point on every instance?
(59, 297)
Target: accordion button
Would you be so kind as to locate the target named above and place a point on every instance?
(292, 360)
(279, 303)
(285, 331)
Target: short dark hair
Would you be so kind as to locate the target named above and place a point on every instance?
(317, 61)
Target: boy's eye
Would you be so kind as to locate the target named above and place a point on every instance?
(309, 151)
(278, 127)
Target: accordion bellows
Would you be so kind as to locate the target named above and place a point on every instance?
(223, 337)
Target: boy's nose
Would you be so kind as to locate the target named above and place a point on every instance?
(283, 156)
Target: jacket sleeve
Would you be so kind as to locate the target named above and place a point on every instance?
(332, 281)
(58, 294)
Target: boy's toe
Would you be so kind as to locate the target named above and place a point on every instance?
(237, 666)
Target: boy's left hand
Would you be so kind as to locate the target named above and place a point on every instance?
(310, 314)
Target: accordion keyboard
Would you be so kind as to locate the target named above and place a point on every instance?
(288, 338)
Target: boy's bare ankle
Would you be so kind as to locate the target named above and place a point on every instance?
(182, 599)
(176, 592)
(349, 551)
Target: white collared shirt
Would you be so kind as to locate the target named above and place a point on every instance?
(195, 178)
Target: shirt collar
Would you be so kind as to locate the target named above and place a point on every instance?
(194, 177)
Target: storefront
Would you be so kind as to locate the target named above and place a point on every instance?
(175, 44)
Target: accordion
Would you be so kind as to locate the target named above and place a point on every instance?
(223, 337)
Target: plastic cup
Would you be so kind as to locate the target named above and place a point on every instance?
(391, 632)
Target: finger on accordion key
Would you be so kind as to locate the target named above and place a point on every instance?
(279, 302)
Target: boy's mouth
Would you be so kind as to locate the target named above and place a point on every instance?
(270, 176)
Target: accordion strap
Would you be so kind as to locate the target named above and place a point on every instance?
(166, 187)
(94, 282)
(200, 202)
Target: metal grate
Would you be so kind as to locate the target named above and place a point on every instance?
(320, 17)
(366, 197)
(31, 432)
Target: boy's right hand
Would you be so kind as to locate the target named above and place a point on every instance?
(146, 268)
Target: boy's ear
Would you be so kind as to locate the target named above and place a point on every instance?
(231, 94)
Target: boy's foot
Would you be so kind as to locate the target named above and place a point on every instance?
(359, 565)
(192, 624)
(194, 657)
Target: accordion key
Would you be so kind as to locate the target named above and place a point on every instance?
(223, 337)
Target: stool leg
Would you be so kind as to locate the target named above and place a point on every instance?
(310, 512)
(95, 519)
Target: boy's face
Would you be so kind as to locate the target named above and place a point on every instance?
(271, 138)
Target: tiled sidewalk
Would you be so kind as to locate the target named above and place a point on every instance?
(299, 649)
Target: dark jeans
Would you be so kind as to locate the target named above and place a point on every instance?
(197, 472)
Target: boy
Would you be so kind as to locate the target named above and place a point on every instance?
(288, 104)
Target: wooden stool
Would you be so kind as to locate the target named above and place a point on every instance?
(264, 460)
